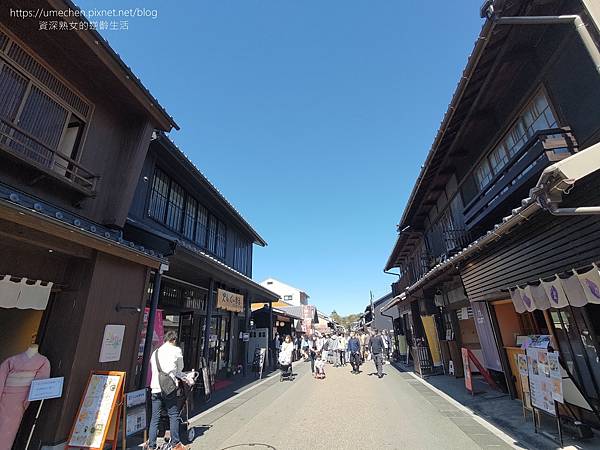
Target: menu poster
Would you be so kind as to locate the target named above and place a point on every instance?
(99, 411)
(544, 379)
(556, 376)
(522, 361)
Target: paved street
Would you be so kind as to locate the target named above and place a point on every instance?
(342, 412)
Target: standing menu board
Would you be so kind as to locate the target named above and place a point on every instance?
(544, 379)
(97, 419)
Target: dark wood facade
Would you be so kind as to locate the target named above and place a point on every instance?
(70, 158)
(208, 243)
(528, 98)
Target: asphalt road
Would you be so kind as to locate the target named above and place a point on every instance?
(344, 411)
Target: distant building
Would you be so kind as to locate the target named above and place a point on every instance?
(288, 294)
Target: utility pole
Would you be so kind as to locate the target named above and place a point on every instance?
(372, 312)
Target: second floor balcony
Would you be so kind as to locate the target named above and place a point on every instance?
(505, 190)
(29, 150)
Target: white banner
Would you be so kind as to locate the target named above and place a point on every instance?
(555, 292)
(590, 282)
(515, 295)
(574, 291)
(534, 297)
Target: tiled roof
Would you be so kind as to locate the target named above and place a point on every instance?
(35, 205)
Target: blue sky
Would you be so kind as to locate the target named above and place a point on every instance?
(313, 117)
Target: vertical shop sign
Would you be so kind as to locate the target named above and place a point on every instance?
(467, 368)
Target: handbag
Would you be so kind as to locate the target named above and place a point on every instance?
(168, 386)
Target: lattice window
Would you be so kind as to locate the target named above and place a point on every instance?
(221, 239)
(201, 226)
(189, 217)
(212, 234)
(175, 206)
(24, 60)
(159, 195)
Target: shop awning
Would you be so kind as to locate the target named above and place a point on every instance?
(576, 288)
(393, 302)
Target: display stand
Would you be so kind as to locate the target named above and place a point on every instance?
(544, 384)
(258, 362)
(99, 414)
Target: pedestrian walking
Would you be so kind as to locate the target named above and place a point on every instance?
(320, 367)
(333, 347)
(354, 349)
(347, 353)
(316, 346)
(367, 345)
(325, 348)
(376, 348)
(277, 345)
(342, 344)
(386, 346)
(305, 347)
(167, 366)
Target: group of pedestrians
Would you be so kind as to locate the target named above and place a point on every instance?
(340, 349)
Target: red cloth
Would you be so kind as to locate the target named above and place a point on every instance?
(16, 374)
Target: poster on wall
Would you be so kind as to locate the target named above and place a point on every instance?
(545, 379)
(99, 411)
(112, 342)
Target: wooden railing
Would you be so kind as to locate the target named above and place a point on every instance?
(21, 144)
(543, 148)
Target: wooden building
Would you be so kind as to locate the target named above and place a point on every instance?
(209, 247)
(70, 158)
(485, 218)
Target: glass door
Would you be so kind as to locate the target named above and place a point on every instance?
(187, 340)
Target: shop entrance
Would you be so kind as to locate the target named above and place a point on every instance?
(219, 344)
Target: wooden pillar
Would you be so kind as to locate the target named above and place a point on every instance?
(270, 337)
(248, 312)
(209, 307)
(150, 328)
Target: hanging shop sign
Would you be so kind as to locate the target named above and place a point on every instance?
(230, 301)
(97, 419)
(112, 342)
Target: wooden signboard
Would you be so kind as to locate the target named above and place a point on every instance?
(467, 368)
(259, 360)
(97, 419)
